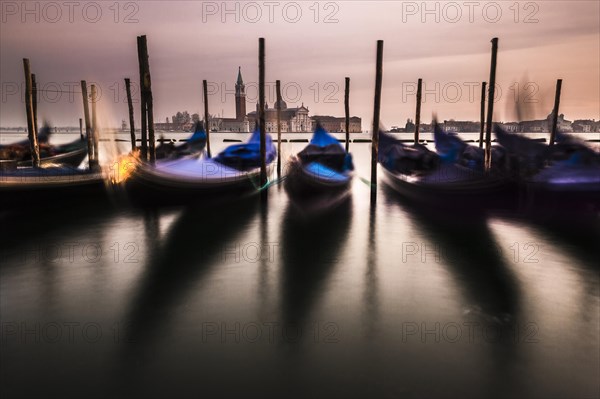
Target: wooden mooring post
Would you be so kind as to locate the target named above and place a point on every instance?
(418, 110)
(34, 100)
(490, 110)
(206, 117)
(482, 115)
(376, 112)
(95, 129)
(278, 91)
(32, 132)
(130, 107)
(347, 112)
(88, 128)
(555, 111)
(144, 109)
(146, 90)
(261, 111)
(81, 128)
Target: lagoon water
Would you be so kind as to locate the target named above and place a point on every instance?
(258, 300)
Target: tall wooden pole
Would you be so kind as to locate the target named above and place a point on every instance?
(34, 100)
(95, 129)
(376, 111)
(206, 118)
(33, 142)
(482, 114)
(490, 110)
(88, 128)
(131, 119)
(347, 112)
(555, 112)
(418, 111)
(143, 114)
(261, 111)
(81, 128)
(146, 84)
(278, 90)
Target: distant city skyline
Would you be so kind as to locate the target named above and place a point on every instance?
(190, 41)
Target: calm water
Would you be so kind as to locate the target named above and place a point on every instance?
(262, 301)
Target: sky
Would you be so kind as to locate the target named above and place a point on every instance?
(311, 47)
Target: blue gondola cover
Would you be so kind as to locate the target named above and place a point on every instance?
(247, 155)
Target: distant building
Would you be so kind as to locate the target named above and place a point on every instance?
(292, 119)
(425, 128)
(173, 127)
(410, 127)
(240, 122)
(461, 126)
(512, 127)
(545, 125)
(586, 126)
(338, 124)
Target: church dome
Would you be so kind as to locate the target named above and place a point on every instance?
(281, 104)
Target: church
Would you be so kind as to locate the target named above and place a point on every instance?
(240, 122)
(292, 119)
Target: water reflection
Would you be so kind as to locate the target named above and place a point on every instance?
(179, 260)
(491, 292)
(309, 252)
(577, 235)
(466, 246)
(371, 294)
(263, 271)
(48, 224)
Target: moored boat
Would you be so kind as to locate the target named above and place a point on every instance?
(235, 171)
(27, 185)
(424, 176)
(71, 154)
(320, 175)
(566, 173)
(191, 148)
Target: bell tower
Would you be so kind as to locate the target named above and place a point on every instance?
(240, 97)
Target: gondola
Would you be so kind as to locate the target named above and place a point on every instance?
(28, 185)
(453, 149)
(233, 172)
(566, 173)
(43, 137)
(192, 148)
(446, 179)
(71, 154)
(320, 175)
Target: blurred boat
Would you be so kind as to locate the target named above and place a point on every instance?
(234, 171)
(446, 178)
(192, 148)
(71, 154)
(43, 137)
(58, 180)
(453, 149)
(567, 172)
(51, 184)
(320, 175)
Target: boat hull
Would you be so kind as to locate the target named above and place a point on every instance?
(152, 186)
(549, 198)
(30, 186)
(475, 190)
(312, 191)
(73, 158)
